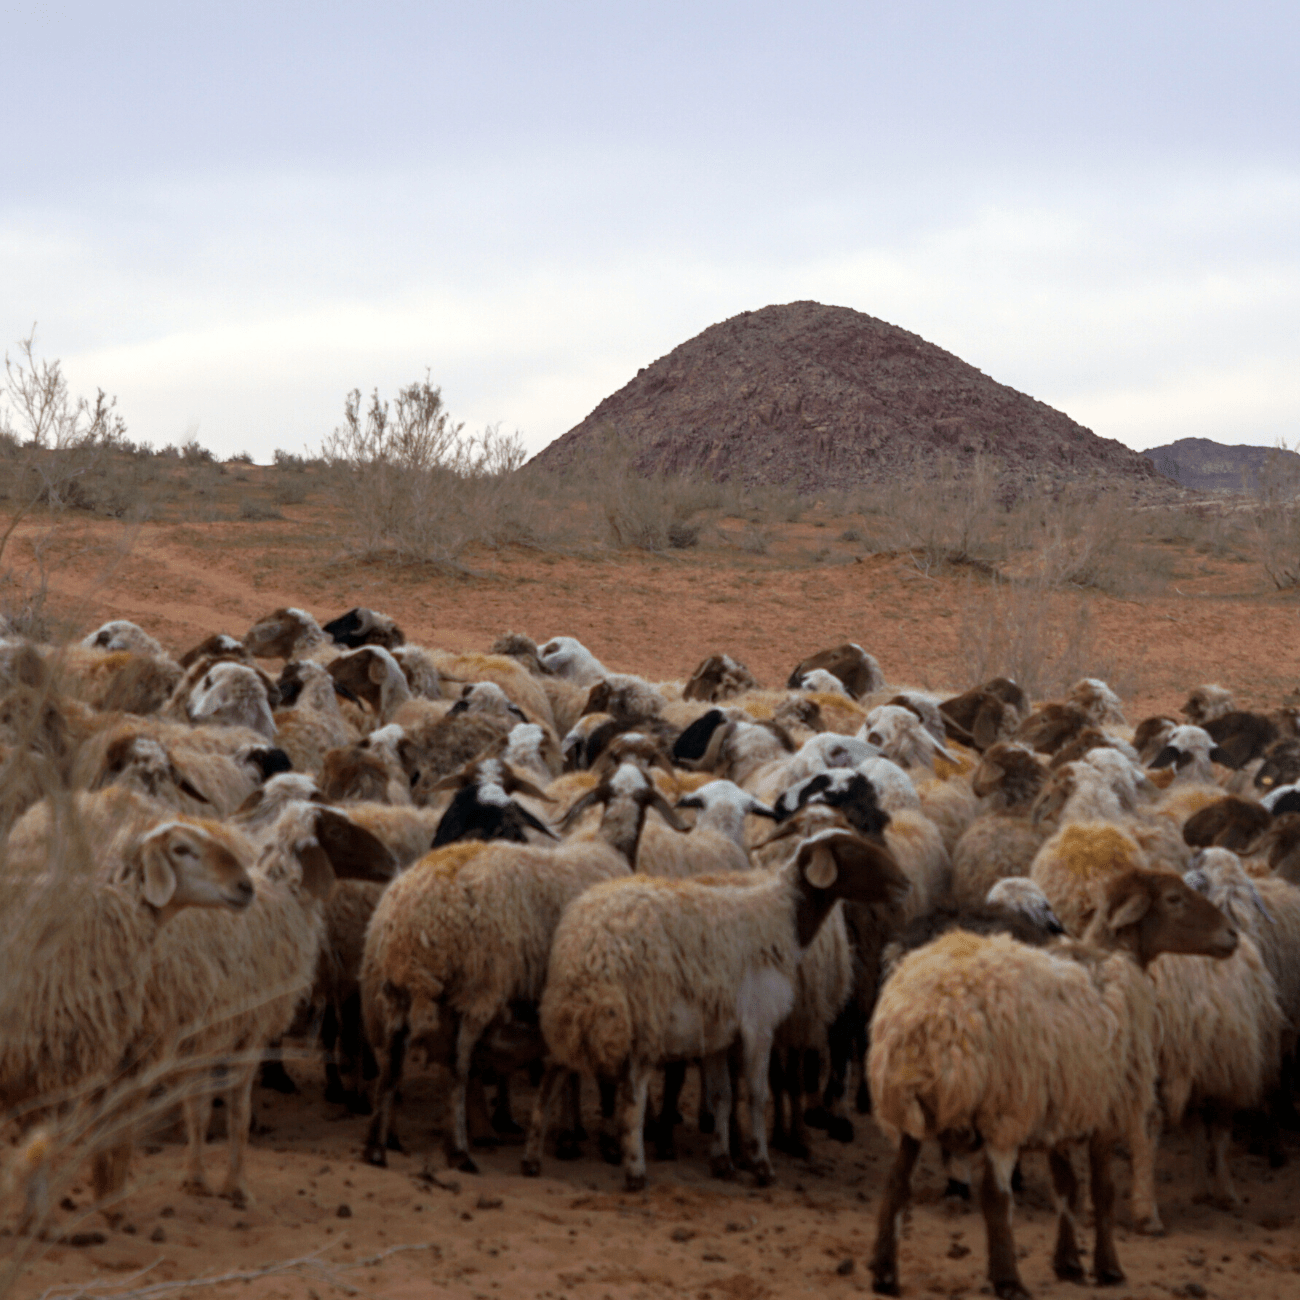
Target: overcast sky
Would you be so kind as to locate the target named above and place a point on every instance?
(231, 215)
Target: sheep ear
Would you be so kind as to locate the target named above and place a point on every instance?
(821, 869)
(518, 785)
(377, 670)
(598, 795)
(159, 874)
(354, 853)
(760, 810)
(317, 873)
(665, 810)
(1165, 757)
(1129, 909)
(185, 786)
(529, 820)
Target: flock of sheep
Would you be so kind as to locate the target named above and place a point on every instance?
(995, 925)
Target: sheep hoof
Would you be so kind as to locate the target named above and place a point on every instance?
(463, 1161)
(884, 1281)
(357, 1103)
(841, 1129)
(1109, 1277)
(567, 1148)
(196, 1187)
(277, 1078)
(764, 1174)
(818, 1117)
(394, 1143)
(1150, 1226)
(1069, 1270)
(530, 1168)
(611, 1152)
(1017, 1179)
(958, 1190)
(239, 1197)
(634, 1182)
(1013, 1290)
(375, 1155)
(721, 1167)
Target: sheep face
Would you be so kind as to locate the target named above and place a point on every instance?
(361, 626)
(180, 864)
(858, 671)
(1010, 773)
(1206, 703)
(280, 634)
(1156, 911)
(232, 695)
(719, 677)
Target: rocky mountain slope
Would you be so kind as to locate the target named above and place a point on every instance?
(815, 397)
(1213, 467)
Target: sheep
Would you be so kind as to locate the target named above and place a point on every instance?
(720, 677)
(1003, 842)
(1229, 823)
(533, 749)
(1086, 741)
(715, 844)
(373, 675)
(820, 680)
(420, 670)
(566, 698)
(566, 656)
(1206, 703)
(119, 634)
(1240, 738)
(986, 714)
(231, 695)
(360, 626)
(1072, 864)
(363, 773)
(856, 669)
(1219, 1050)
(1150, 736)
(1188, 750)
(647, 970)
(215, 647)
(222, 988)
(899, 734)
(289, 633)
(991, 1042)
(1281, 765)
(314, 724)
(119, 681)
(525, 691)
(482, 808)
(466, 932)
(436, 743)
(80, 941)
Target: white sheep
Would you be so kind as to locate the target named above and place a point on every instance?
(715, 844)
(467, 930)
(644, 971)
(121, 634)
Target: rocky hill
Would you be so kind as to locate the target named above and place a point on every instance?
(1213, 467)
(815, 398)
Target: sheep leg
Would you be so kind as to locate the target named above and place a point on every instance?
(1143, 1139)
(196, 1111)
(669, 1116)
(110, 1168)
(566, 1144)
(1219, 1123)
(609, 1142)
(469, 1029)
(552, 1077)
(956, 1164)
(239, 1098)
(1065, 1186)
(715, 1084)
(995, 1202)
(376, 1152)
(356, 1050)
(335, 1092)
(757, 1051)
(889, 1218)
(777, 1084)
(636, 1090)
(1105, 1261)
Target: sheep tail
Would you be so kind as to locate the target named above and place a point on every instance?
(590, 1031)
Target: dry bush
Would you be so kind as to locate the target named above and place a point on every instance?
(1043, 639)
(1275, 520)
(418, 488)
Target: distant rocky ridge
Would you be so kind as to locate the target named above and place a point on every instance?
(1213, 467)
(816, 398)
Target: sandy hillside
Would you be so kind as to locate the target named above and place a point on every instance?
(356, 1230)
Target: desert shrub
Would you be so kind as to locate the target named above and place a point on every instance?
(253, 508)
(242, 458)
(194, 453)
(1041, 638)
(1275, 520)
(419, 488)
(289, 491)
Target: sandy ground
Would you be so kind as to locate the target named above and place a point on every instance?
(574, 1233)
